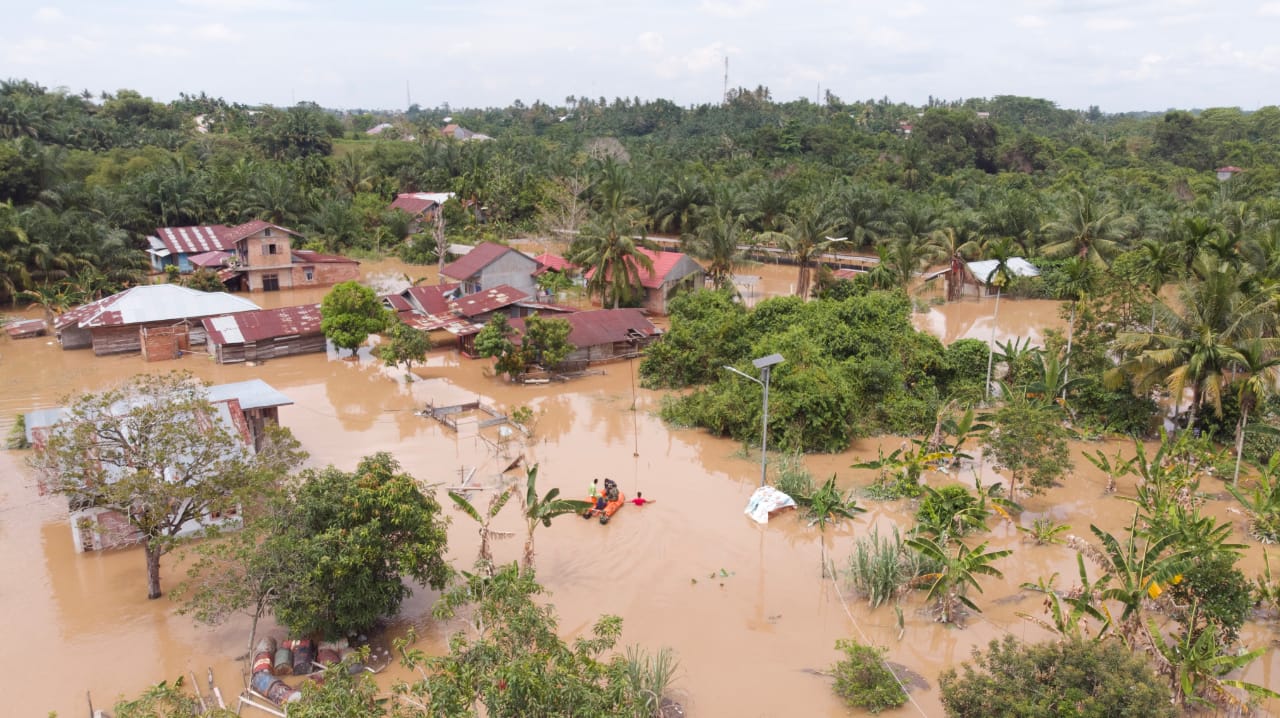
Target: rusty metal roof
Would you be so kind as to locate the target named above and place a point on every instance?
(603, 326)
(472, 305)
(430, 299)
(194, 240)
(416, 203)
(306, 256)
(249, 327)
(153, 303)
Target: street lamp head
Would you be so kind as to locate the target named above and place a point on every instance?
(766, 362)
(744, 375)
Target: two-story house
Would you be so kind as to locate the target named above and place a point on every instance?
(265, 260)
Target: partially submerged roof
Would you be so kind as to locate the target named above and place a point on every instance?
(416, 203)
(473, 305)
(153, 303)
(306, 256)
(211, 260)
(248, 327)
(1018, 267)
(193, 240)
(480, 256)
(431, 299)
(252, 394)
(603, 326)
(663, 264)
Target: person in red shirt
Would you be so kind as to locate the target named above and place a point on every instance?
(640, 500)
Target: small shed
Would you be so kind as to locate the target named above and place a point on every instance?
(265, 334)
(972, 279)
(26, 328)
(603, 335)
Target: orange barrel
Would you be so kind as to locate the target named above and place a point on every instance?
(262, 662)
(302, 655)
(283, 663)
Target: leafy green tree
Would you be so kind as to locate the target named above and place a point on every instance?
(1260, 365)
(805, 236)
(355, 537)
(153, 451)
(863, 680)
(166, 700)
(545, 341)
(407, 346)
(1094, 679)
(1028, 441)
(1219, 594)
(495, 340)
(350, 313)
(1088, 226)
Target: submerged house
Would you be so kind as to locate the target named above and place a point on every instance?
(673, 273)
(422, 206)
(489, 264)
(243, 409)
(973, 279)
(265, 334)
(447, 314)
(604, 335)
(117, 324)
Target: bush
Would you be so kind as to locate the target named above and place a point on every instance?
(1046, 680)
(880, 570)
(1220, 590)
(950, 510)
(794, 479)
(864, 681)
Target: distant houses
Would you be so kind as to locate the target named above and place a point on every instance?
(254, 256)
(972, 279)
(118, 323)
(422, 206)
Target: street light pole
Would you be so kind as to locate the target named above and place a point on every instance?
(764, 364)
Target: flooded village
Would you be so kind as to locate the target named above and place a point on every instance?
(746, 608)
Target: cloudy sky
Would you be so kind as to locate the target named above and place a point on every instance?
(1118, 54)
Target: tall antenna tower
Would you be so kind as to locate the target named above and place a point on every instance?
(725, 97)
(408, 99)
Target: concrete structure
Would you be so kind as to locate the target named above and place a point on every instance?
(490, 265)
(254, 256)
(112, 325)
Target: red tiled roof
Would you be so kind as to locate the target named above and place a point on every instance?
(472, 305)
(663, 263)
(306, 256)
(481, 256)
(194, 240)
(554, 262)
(248, 327)
(602, 326)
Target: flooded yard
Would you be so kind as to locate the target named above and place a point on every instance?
(745, 607)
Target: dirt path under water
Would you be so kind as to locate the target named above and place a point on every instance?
(745, 607)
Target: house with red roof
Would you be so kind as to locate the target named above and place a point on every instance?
(422, 206)
(254, 256)
(489, 264)
(673, 273)
(604, 335)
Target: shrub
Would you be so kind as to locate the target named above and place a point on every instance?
(950, 510)
(1080, 678)
(1220, 591)
(864, 681)
(879, 569)
(794, 479)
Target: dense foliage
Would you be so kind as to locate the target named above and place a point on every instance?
(863, 680)
(351, 312)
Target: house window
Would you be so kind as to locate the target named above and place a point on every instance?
(270, 282)
(273, 249)
(266, 232)
(309, 273)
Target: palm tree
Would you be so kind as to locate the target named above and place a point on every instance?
(1000, 250)
(805, 237)
(903, 257)
(542, 511)
(1260, 361)
(716, 241)
(1087, 226)
(956, 573)
(1158, 262)
(608, 249)
(1078, 279)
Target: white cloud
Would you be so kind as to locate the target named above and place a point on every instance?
(1108, 24)
(1269, 9)
(696, 60)
(911, 9)
(247, 5)
(49, 14)
(157, 49)
(1030, 21)
(651, 42)
(218, 32)
(731, 8)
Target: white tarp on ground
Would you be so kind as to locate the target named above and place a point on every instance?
(766, 500)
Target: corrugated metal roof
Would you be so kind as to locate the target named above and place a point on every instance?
(234, 234)
(416, 203)
(481, 256)
(194, 240)
(602, 326)
(252, 394)
(1018, 267)
(431, 299)
(215, 259)
(153, 303)
(554, 262)
(663, 263)
(264, 324)
(306, 256)
(472, 305)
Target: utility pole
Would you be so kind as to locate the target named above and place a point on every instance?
(725, 96)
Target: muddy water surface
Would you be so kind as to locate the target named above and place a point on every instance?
(745, 607)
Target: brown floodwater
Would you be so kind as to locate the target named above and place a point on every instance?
(745, 607)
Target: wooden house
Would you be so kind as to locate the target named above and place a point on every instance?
(489, 265)
(604, 335)
(265, 334)
(254, 256)
(114, 324)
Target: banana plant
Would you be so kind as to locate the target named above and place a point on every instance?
(830, 505)
(1067, 612)
(500, 499)
(957, 573)
(541, 511)
(1197, 664)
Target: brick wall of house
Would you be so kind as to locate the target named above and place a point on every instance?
(325, 273)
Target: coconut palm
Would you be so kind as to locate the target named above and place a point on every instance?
(1158, 262)
(717, 242)
(1260, 361)
(1087, 226)
(956, 573)
(904, 257)
(541, 511)
(1078, 280)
